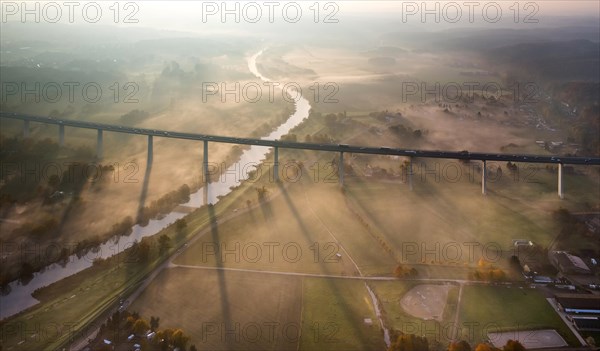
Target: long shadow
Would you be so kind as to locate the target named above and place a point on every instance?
(77, 189)
(347, 314)
(226, 313)
(421, 190)
(350, 196)
(266, 209)
(144, 193)
(252, 216)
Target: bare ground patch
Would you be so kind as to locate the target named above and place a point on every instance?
(426, 301)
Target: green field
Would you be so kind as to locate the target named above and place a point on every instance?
(492, 308)
(438, 332)
(455, 224)
(333, 313)
(226, 310)
(301, 229)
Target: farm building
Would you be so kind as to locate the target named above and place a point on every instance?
(567, 263)
(587, 323)
(579, 303)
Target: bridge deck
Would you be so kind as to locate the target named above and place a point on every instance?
(460, 155)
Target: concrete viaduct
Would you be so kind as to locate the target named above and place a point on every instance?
(276, 144)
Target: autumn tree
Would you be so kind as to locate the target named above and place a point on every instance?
(179, 339)
(513, 345)
(261, 193)
(140, 326)
(486, 347)
(154, 323)
(459, 346)
(409, 342)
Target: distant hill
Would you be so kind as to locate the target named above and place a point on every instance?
(463, 39)
(552, 61)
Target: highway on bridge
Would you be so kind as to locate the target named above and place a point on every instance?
(460, 155)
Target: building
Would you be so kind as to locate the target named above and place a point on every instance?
(540, 279)
(522, 242)
(579, 303)
(567, 263)
(593, 225)
(587, 323)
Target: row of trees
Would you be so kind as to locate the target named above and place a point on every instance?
(21, 156)
(121, 325)
(402, 271)
(165, 204)
(487, 272)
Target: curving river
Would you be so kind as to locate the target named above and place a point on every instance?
(19, 298)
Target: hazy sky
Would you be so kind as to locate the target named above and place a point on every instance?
(201, 15)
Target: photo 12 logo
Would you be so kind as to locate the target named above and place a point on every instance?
(269, 252)
(450, 252)
(454, 92)
(69, 11)
(69, 172)
(269, 11)
(55, 92)
(250, 332)
(253, 92)
(471, 11)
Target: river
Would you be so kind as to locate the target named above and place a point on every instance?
(19, 298)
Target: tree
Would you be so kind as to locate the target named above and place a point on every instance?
(26, 273)
(154, 323)
(513, 345)
(399, 271)
(261, 193)
(591, 341)
(330, 120)
(486, 347)
(515, 264)
(143, 251)
(54, 181)
(459, 346)
(180, 224)
(164, 243)
(409, 342)
(179, 339)
(140, 326)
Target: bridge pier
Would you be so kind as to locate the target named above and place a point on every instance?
(276, 164)
(61, 135)
(560, 181)
(341, 169)
(99, 145)
(150, 149)
(205, 172)
(483, 178)
(25, 129)
(410, 173)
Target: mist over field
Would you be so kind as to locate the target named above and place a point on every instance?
(138, 212)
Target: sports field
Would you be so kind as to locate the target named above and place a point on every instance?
(531, 339)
